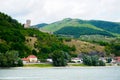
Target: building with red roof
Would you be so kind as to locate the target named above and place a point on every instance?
(118, 59)
(30, 58)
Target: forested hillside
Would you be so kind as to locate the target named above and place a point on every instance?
(76, 32)
(104, 33)
(15, 42)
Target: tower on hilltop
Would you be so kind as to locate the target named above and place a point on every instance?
(27, 24)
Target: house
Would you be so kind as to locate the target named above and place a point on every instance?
(49, 60)
(103, 59)
(117, 59)
(76, 60)
(25, 60)
(30, 59)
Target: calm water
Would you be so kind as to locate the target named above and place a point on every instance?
(79, 73)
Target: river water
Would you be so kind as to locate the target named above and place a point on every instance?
(63, 73)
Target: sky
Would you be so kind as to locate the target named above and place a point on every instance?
(48, 11)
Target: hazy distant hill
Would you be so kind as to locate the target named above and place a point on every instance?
(39, 25)
(77, 27)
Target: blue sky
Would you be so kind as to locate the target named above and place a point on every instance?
(48, 11)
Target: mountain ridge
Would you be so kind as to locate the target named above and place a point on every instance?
(60, 27)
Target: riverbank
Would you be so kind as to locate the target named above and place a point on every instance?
(50, 65)
(38, 65)
(44, 65)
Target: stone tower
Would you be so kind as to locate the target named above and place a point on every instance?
(27, 24)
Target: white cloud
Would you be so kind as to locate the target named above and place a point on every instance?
(53, 10)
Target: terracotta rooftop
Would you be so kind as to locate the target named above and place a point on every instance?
(24, 59)
(31, 56)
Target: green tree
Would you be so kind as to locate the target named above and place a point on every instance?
(87, 60)
(95, 60)
(73, 48)
(3, 48)
(19, 62)
(34, 52)
(92, 60)
(101, 63)
(113, 48)
(60, 58)
(10, 59)
(109, 60)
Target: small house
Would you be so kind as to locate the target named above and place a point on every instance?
(49, 60)
(76, 60)
(118, 59)
(25, 60)
(30, 59)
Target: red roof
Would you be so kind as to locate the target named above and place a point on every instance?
(118, 57)
(24, 59)
(31, 56)
(118, 60)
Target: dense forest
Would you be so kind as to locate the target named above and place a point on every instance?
(108, 26)
(78, 31)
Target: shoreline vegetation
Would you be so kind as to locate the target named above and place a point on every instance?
(38, 65)
(51, 65)
(47, 65)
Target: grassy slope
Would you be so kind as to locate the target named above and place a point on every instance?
(96, 38)
(82, 46)
(30, 41)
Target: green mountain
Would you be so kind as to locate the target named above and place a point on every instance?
(77, 27)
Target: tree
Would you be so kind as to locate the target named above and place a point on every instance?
(60, 58)
(95, 60)
(3, 48)
(21, 47)
(109, 60)
(73, 48)
(19, 62)
(92, 60)
(113, 47)
(101, 63)
(34, 52)
(87, 60)
(10, 59)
